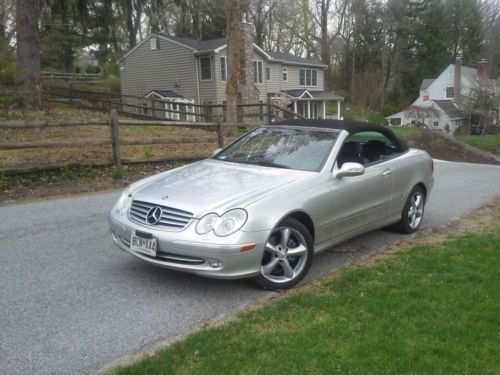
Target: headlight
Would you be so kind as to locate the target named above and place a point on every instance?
(124, 202)
(223, 225)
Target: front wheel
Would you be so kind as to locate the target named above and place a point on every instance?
(413, 212)
(287, 256)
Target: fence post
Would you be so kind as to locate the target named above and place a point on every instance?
(115, 138)
(269, 112)
(220, 133)
(71, 93)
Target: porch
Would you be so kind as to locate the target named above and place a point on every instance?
(312, 104)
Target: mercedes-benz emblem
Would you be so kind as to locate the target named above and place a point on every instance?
(154, 215)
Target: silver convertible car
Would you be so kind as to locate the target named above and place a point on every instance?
(265, 205)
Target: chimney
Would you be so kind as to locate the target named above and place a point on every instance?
(482, 69)
(248, 91)
(458, 81)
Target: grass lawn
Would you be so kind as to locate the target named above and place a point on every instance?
(488, 142)
(433, 309)
(351, 112)
(91, 154)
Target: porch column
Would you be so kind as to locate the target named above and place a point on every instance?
(338, 109)
(308, 109)
(324, 109)
(295, 106)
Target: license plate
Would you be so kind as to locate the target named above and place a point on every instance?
(143, 245)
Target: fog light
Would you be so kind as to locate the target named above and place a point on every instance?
(214, 263)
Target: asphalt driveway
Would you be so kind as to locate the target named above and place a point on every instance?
(71, 302)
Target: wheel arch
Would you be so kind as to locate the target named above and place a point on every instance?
(304, 218)
(424, 188)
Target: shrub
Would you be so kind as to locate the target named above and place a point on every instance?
(113, 82)
(4, 181)
(10, 90)
(117, 174)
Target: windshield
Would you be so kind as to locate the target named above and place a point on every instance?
(282, 147)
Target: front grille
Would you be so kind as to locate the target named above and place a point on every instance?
(171, 218)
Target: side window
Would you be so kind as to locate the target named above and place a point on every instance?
(366, 148)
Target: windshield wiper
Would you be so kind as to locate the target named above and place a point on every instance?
(264, 163)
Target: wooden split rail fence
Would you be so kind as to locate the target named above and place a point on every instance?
(215, 133)
(159, 109)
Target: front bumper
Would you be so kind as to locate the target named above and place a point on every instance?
(208, 255)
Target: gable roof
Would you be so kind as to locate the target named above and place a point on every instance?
(215, 45)
(200, 45)
(289, 58)
(449, 108)
(164, 94)
(426, 82)
(323, 95)
(469, 73)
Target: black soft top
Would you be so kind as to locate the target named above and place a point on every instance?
(351, 126)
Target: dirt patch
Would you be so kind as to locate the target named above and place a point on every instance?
(444, 147)
(77, 180)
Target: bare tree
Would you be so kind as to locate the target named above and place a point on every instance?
(7, 12)
(367, 91)
(421, 114)
(28, 50)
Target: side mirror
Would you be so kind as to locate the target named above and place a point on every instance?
(216, 151)
(350, 169)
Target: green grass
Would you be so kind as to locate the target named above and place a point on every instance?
(351, 112)
(488, 142)
(430, 310)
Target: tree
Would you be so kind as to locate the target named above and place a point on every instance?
(484, 102)
(28, 50)
(7, 13)
(233, 17)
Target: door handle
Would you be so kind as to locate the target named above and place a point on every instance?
(387, 172)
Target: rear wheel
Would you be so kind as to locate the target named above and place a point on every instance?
(413, 212)
(287, 256)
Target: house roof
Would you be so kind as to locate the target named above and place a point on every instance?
(200, 45)
(426, 82)
(321, 95)
(469, 73)
(449, 108)
(288, 57)
(165, 93)
(214, 44)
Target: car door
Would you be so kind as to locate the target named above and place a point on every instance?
(360, 201)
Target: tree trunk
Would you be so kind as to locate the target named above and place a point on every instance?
(130, 24)
(69, 66)
(325, 43)
(233, 17)
(28, 50)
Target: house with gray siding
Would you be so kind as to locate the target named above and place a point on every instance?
(185, 72)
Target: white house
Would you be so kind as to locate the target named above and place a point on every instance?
(440, 101)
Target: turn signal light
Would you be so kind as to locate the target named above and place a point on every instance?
(247, 248)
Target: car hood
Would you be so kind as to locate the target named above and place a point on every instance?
(214, 186)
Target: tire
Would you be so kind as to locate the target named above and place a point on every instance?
(413, 212)
(287, 256)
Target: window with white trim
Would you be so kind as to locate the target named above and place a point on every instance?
(285, 75)
(223, 69)
(268, 73)
(257, 72)
(153, 43)
(205, 68)
(450, 92)
(308, 77)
